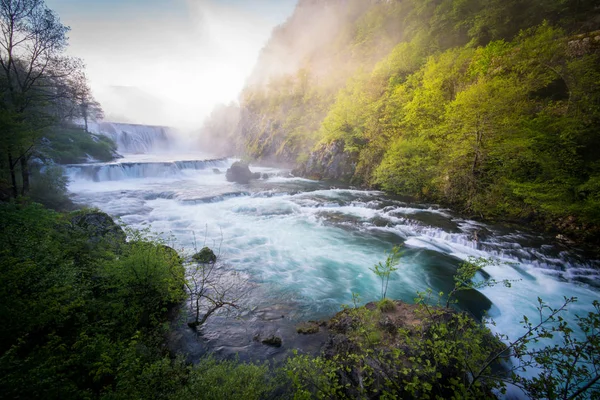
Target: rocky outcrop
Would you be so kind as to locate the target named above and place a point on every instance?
(98, 226)
(329, 161)
(394, 341)
(240, 172)
(308, 328)
(585, 43)
(205, 256)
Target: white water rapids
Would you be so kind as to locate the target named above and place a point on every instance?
(308, 246)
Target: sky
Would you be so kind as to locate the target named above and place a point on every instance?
(168, 62)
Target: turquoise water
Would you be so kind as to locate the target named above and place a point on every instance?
(306, 246)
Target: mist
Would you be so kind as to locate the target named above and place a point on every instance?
(158, 63)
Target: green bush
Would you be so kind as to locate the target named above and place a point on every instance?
(49, 187)
(386, 305)
(72, 145)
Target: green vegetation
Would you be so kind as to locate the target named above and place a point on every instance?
(430, 351)
(74, 145)
(489, 107)
(41, 89)
(83, 314)
(383, 271)
(78, 307)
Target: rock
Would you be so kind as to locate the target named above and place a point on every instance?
(240, 173)
(205, 256)
(265, 176)
(329, 161)
(307, 328)
(217, 171)
(256, 175)
(388, 325)
(98, 225)
(273, 340)
(172, 253)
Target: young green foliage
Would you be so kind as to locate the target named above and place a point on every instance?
(384, 270)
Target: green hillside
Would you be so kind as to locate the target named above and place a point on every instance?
(490, 107)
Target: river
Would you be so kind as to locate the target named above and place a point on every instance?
(306, 246)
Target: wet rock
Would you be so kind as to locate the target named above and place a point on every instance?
(240, 173)
(256, 175)
(265, 176)
(480, 235)
(307, 328)
(205, 256)
(217, 171)
(273, 340)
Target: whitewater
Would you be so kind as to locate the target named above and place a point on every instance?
(306, 245)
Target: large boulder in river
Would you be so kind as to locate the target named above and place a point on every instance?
(240, 173)
(205, 256)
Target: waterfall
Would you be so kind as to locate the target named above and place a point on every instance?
(101, 172)
(135, 139)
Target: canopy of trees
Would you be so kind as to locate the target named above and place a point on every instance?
(40, 87)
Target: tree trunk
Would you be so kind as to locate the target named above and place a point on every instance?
(25, 174)
(208, 314)
(85, 121)
(13, 177)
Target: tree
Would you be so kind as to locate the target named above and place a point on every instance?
(212, 287)
(34, 77)
(86, 105)
(383, 271)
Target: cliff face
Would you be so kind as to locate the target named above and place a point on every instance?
(299, 72)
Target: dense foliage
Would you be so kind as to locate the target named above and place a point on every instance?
(78, 304)
(69, 145)
(491, 107)
(83, 314)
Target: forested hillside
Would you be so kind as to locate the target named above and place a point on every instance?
(490, 107)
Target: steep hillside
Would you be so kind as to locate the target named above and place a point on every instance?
(491, 107)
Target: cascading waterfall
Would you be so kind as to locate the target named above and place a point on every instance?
(135, 139)
(101, 172)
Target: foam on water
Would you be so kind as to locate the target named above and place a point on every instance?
(312, 245)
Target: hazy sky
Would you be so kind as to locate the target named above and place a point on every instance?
(168, 62)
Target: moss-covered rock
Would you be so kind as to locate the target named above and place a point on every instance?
(205, 256)
(273, 340)
(307, 328)
(393, 338)
(98, 225)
